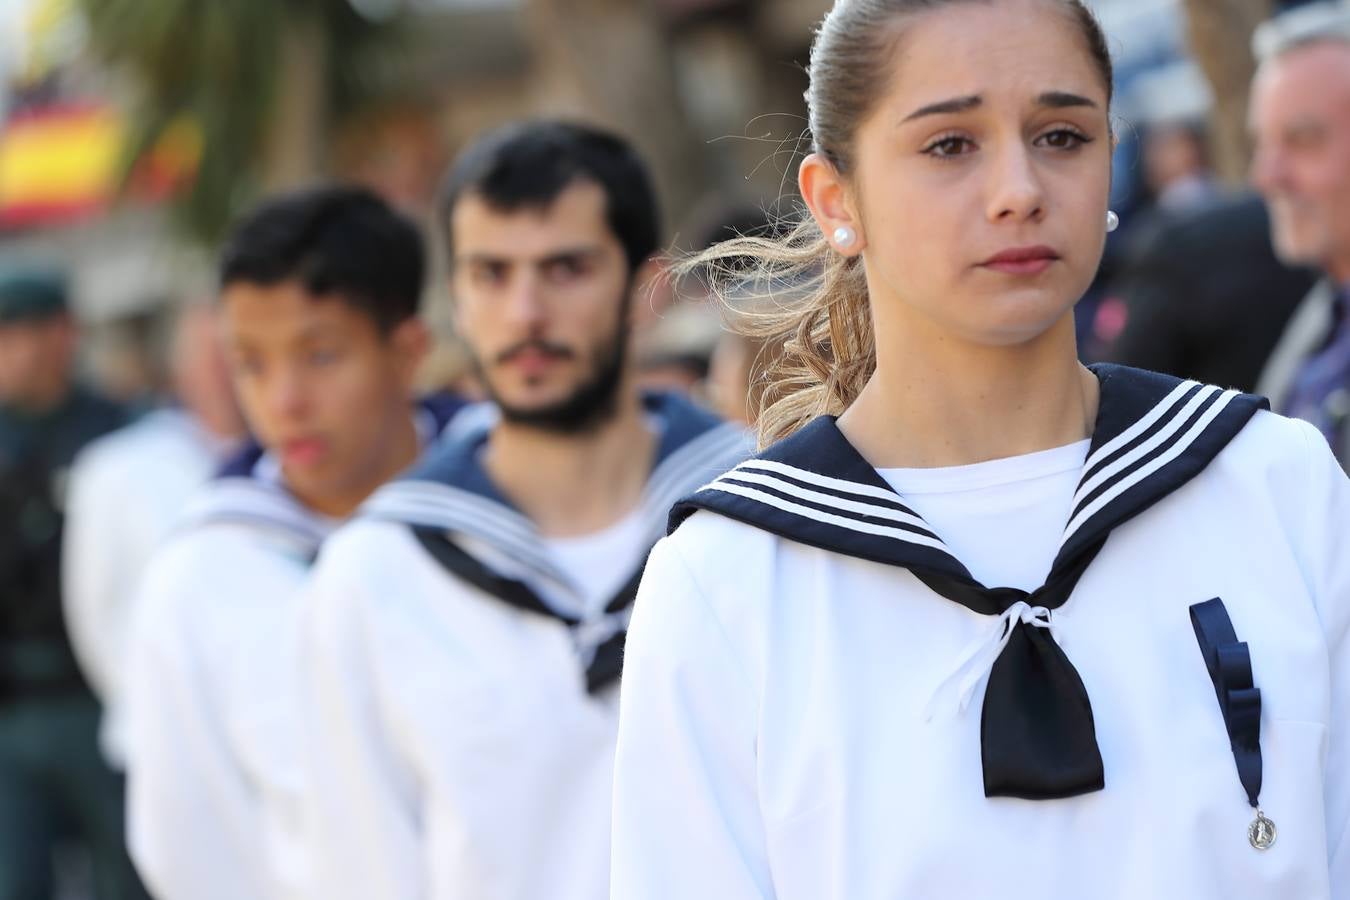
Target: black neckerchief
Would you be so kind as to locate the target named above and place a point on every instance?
(1153, 434)
(467, 525)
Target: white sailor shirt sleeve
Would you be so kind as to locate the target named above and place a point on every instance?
(686, 816)
(363, 819)
(1327, 548)
(191, 811)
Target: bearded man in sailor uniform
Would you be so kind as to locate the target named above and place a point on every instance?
(465, 633)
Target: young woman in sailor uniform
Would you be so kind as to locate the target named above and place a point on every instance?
(983, 622)
(319, 297)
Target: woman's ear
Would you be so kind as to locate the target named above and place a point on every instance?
(826, 195)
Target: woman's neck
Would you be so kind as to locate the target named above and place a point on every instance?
(937, 403)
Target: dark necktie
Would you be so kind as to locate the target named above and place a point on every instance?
(1321, 390)
(1037, 736)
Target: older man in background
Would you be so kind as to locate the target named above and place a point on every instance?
(1300, 119)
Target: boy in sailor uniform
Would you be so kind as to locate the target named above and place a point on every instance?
(981, 622)
(465, 632)
(319, 295)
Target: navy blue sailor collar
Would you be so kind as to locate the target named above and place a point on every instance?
(451, 491)
(1153, 434)
(248, 489)
(468, 527)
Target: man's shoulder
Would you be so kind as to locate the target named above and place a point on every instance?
(368, 546)
(140, 447)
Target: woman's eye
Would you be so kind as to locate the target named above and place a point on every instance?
(1063, 139)
(947, 147)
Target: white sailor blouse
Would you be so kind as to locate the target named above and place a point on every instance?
(216, 781)
(464, 725)
(821, 703)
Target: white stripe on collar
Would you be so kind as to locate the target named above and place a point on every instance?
(439, 505)
(893, 511)
(848, 521)
(1143, 424)
(1160, 434)
(1147, 465)
(260, 504)
(1158, 449)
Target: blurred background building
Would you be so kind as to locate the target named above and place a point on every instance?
(135, 129)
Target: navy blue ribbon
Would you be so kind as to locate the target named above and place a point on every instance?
(1230, 668)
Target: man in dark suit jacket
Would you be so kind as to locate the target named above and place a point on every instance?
(1203, 295)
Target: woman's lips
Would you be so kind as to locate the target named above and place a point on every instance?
(1022, 260)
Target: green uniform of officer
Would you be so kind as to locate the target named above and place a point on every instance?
(54, 785)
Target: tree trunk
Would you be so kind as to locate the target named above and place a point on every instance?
(1220, 34)
(294, 152)
(610, 61)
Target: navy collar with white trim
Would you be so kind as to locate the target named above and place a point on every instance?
(473, 531)
(1153, 434)
(249, 489)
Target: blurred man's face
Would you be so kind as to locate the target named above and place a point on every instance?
(1300, 120)
(541, 300)
(320, 386)
(35, 358)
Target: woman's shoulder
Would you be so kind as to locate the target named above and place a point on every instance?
(1272, 445)
(709, 542)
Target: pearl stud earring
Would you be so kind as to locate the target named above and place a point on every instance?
(1112, 220)
(844, 236)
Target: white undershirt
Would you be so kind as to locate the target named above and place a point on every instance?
(600, 563)
(1002, 518)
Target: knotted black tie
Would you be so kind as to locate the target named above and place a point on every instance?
(1037, 737)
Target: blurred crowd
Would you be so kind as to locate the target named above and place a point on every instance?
(164, 496)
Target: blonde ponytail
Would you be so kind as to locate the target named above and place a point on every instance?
(807, 305)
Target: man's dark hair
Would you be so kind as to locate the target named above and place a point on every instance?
(526, 165)
(335, 241)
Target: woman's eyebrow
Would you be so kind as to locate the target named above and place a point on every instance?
(944, 107)
(1052, 99)
(1063, 99)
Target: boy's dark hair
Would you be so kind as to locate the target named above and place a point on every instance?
(528, 164)
(339, 241)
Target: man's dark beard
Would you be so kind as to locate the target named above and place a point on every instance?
(593, 403)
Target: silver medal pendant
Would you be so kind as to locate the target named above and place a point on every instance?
(1261, 832)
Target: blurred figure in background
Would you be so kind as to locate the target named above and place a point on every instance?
(466, 632)
(735, 389)
(675, 350)
(53, 780)
(1192, 286)
(127, 491)
(1176, 165)
(1300, 119)
(319, 296)
(1201, 295)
